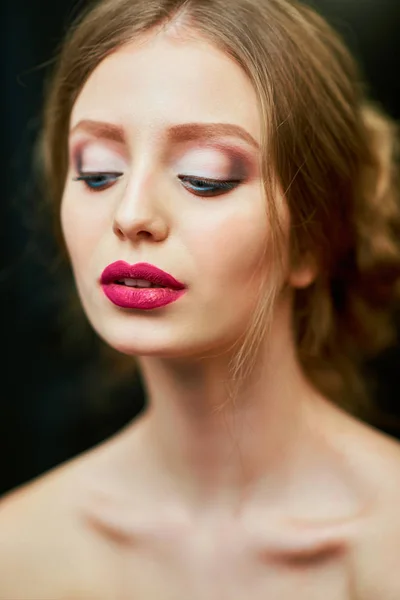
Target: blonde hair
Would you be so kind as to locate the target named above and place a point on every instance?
(333, 153)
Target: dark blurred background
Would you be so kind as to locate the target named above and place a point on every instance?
(55, 401)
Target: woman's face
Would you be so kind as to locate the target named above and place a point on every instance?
(134, 123)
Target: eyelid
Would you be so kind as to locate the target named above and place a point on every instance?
(116, 152)
(81, 175)
(221, 186)
(87, 177)
(99, 172)
(241, 162)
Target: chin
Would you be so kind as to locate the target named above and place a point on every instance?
(135, 341)
(164, 338)
(161, 344)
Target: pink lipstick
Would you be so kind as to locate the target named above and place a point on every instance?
(142, 286)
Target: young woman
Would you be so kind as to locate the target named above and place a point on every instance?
(227, 198)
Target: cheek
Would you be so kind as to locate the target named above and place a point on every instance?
(228, 251)
(82, 229)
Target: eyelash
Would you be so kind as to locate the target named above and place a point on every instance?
(93, 181)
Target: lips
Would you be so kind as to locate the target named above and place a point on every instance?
(121, 270)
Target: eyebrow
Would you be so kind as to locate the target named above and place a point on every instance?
(182, 132)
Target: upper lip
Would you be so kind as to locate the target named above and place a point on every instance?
(122, 270)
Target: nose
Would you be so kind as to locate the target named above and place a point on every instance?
(139, 215)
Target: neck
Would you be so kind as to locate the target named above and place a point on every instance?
(216, 457)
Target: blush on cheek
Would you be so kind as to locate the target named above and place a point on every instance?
(78, 234)
(233, 249)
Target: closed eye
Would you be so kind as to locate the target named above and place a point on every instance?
(98, 182)
(210, 187)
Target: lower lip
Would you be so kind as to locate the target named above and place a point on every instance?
(143, 298)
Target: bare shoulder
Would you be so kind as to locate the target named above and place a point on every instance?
(45, 551)
(375, 458)
(377, 551)
(369, 451)
(379, 556)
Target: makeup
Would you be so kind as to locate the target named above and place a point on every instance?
(141, 286)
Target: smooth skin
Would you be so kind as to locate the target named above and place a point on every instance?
(281, 495)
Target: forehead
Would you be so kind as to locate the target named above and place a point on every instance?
(161, 81)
